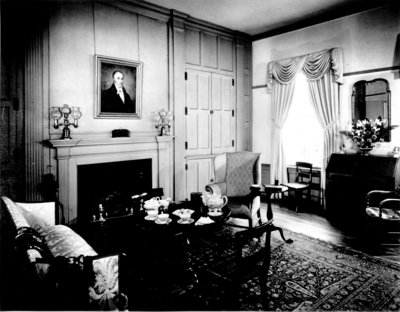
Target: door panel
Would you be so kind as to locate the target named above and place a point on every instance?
(198, 103)
(223, 130)
(198, 175)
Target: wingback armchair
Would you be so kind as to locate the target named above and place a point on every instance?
(235, 173)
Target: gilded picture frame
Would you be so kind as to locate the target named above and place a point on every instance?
(118, 88)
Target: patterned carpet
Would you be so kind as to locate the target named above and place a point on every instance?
(312, 275)
(307, 275)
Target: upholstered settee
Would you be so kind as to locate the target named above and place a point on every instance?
(63, 271)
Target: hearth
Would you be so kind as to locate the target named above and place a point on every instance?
(97, 183)
(72, 154)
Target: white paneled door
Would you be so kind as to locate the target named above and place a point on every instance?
(210, 124)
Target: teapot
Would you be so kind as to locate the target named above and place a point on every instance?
(152, 203)
(214, 201)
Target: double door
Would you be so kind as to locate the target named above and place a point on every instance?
(210, 124)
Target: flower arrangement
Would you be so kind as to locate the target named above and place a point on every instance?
(365, 132)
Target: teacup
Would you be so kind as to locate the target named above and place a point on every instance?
(163, 218)
(185, 217)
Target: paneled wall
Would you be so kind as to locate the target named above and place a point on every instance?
(166, 41)
(101, 29)
(217, 102)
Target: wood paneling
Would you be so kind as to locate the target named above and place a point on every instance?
(223, 123)
(198, 175)
(198, 119)
(34, 112)
(153, 52)
(226, 54)
(192, 45)
(116, 32)
(242, 105)
(209, 50)
(177, 92)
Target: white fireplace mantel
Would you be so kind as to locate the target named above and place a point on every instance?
(72, 153)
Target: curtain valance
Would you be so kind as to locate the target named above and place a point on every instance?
(314, 66)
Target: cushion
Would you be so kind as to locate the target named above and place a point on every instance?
(63, 241)
(34, 219)
(387, 214)
(106, 286)
(42, 210)
(16, 214)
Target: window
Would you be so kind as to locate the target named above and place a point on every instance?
(302, 133)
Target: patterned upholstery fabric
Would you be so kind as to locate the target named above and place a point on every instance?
(16, 215)
(43, 211)
(34, 219)
(240, 172)
(106, 288)
(62, 241)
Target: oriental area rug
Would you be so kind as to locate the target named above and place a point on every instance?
(307, 275)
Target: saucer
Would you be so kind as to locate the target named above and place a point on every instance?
(159, 222)
(150, 218)
(181, 222)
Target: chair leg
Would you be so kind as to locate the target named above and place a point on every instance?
(276, 228)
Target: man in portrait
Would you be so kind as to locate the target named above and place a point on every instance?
(115, 99)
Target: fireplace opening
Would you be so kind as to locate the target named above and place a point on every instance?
(97, 183)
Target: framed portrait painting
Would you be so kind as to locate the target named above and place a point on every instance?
(118, 88)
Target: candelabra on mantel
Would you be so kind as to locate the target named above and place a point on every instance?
(163, 120)
(59, 112)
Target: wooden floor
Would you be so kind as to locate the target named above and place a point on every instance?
(311, 221)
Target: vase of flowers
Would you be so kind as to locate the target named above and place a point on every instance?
(364, 133)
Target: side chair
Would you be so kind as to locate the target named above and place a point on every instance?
(250, 259)
(302, 182)
(383, 215)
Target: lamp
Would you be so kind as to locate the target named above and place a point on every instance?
(163, 120)
(58, 112)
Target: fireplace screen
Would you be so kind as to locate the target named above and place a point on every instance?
(111, 185)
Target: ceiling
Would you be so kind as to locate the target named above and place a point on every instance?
(265, 18)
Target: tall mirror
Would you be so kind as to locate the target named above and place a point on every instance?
(371, 99)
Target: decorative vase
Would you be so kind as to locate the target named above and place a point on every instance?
(365, 151)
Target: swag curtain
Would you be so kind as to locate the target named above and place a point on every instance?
(316, 66)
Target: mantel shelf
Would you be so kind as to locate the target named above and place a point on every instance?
(109, 141)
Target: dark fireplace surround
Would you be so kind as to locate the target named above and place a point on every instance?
(76, 154)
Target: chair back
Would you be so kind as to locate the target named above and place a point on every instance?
(303, 172)
(243, 169)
